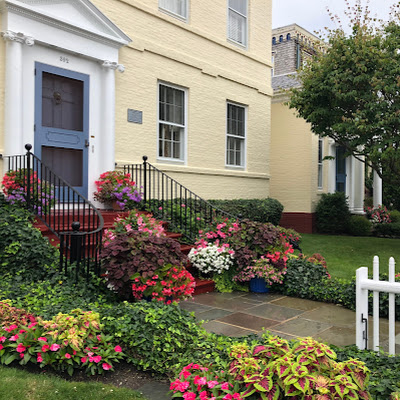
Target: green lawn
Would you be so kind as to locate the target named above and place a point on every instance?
(344, 254)
(19, 385)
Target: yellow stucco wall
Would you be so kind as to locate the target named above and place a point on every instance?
(197, 56)
(294, 161)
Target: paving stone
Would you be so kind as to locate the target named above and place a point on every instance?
(189, 305)
(302, 327)
(155, 391)
(271, 311)
(333, 315)
(297, 304)
(263, 297)
(226, 329)
(338, 336)
(248, 321)
(212, 314)
(227, 304)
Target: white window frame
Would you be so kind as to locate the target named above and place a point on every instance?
(183, 140)
(320, 162)
(169, 9)
(231, 10)
(242, 138)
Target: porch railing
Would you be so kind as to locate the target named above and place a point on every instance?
(170, 201)
(66, 213)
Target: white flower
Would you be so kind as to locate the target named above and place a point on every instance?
(211, 259)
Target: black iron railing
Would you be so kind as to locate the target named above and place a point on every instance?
(66, 213)
(170, 201)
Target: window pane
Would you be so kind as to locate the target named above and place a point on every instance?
(239, 5)
(237, 27)
(175, 6)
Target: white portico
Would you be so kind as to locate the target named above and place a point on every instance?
(60, 63)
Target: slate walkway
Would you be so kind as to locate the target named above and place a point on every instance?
(238, 314)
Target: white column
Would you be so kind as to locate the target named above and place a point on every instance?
(350, 183)
(13, 105)
(359, 186)
(107, 139)
(377, 185)
(332, 167)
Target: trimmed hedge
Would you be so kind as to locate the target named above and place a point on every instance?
(359, 226)
(332, 213)
(391, 230)
(259, 210)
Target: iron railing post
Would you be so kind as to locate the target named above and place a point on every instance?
(145, 178)
(28, 147)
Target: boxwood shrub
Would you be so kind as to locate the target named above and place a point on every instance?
(359, 226)
(332, 213)
(391, 230)
(260, 210)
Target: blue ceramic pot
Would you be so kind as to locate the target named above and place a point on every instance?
(258, 285)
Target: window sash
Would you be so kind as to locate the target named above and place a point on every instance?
(237, 21)
(236, 134)
(171, 122)
(177, 7)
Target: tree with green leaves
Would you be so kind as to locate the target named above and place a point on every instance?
(351, 93)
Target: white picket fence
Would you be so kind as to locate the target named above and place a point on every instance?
(363, 285)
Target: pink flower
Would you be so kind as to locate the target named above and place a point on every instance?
(67, 355)
(97, 359)
(189, 396)
(45, 348)
(211, 384)
(21, 355)
(43, 339)
(1, 346)
(179, 386)
(14, 338)
(39, 357)
(83, 359)
(2, 339)
(22, 331)
(118, 349)
(54, 347)
(11, 328)
(199, 381)
(21, 348)
(106, 366)
(225, 386)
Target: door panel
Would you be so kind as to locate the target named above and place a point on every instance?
(61, 123)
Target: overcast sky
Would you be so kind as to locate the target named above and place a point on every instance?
(312, 14)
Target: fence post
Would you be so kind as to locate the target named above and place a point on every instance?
(376, 304)
(145, 178)
(28, 147)
(392, 344)
(361, 309)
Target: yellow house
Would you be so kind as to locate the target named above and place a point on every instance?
(299, 173)
(94, 84)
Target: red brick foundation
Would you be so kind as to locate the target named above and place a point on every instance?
(301, 222)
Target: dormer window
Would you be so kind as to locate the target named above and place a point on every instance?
(281, 39)
(274, 40)
(288, 37)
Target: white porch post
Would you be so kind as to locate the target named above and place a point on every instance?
(13, 105)
(359, 186)
(332, 167)
(107, 151)
(377, 185)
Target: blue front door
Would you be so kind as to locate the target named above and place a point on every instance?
(340, 169)
(62, 123)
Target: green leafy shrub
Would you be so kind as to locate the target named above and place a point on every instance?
(275, 369)
(391, 230)
(67, 342)
(135, 252)
(332, 213)
(395, 216)
(260, 210)
(385, 369)
(23, 249)
(160, 337)
(358, 225)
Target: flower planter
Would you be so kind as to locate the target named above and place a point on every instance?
(115, 206)
(258, 285)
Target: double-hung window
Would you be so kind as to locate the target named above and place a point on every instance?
(171, 122)
(235, 135)
(178, 8)
(237, 21)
